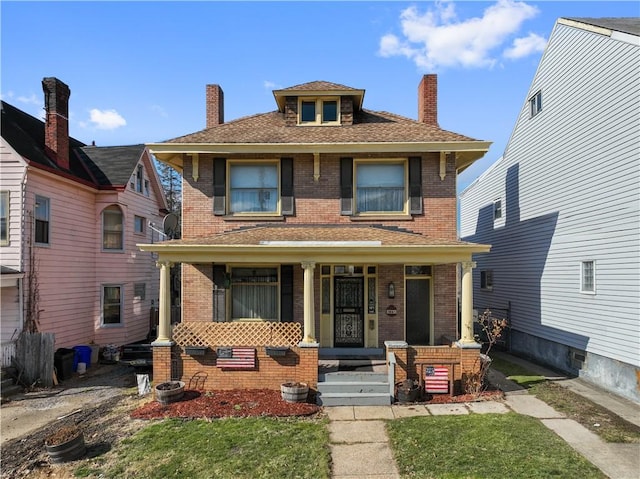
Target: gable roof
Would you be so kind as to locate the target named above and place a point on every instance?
(101, 167)
(630, 25)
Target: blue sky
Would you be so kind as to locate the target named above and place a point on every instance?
(138, 70)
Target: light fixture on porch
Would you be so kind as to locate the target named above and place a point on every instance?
(391, 290)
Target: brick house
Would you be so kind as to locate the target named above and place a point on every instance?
(323, 228)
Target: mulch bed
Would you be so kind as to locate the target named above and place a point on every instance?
(261, 403)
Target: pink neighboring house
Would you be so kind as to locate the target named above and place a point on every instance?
(72, 215)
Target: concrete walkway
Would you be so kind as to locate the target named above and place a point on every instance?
(360, 447)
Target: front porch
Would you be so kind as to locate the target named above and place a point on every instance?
(201, 355)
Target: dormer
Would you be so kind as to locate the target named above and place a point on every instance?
(319, 103)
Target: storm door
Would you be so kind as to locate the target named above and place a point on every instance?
(418, 311)
(348, 312)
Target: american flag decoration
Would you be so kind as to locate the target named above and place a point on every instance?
(436, 379)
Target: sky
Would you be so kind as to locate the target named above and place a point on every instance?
(138, 70)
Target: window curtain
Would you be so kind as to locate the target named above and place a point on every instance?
(254, 188)
(380, 188)
(250, 301)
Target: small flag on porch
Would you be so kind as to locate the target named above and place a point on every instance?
(436, 379)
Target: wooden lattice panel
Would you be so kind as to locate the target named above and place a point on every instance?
(237, 334)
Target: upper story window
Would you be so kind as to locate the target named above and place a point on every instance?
(588, 277)
(112, 228)
(497, 209)
(4, 218)
(318, 111)
(253, 187)
(535, 104)
(137, 179)
(385, 186)
(138, 224)
(42, 218)
(380, 187)
(486, 279)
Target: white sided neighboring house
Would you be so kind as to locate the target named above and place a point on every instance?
(561, 209)
(71, 215)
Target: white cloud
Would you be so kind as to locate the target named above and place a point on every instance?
(438, 39)
(158, 110)
(106, 119)
(30, 100)
(525, 46)
(269, 85)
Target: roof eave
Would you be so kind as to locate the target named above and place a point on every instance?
(467, 151)
(203, 253)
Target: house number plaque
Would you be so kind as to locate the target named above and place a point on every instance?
(392, 310)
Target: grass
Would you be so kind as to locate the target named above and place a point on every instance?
(227, 448)
(604, 423)
(488, 446)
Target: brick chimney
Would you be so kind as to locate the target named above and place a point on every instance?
(428, 100)
(215, 105)
(56, 127)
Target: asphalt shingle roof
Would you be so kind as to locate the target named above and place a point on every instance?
(629, 25)
(101, 166)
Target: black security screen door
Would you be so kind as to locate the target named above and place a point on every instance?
(349, 312)
(418, 311)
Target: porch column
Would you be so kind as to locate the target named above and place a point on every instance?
(466, 336)
(309, 333)
(164, 325)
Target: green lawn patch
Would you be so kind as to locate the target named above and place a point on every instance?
(487, 446)
(226, 448)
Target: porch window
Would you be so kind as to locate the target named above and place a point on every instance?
(380, 187)
(253, 188)
(254, 293)
(111, 304)
(4, 218)
(42, 213)
(112, 229)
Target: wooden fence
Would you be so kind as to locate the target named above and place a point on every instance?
(34, 358)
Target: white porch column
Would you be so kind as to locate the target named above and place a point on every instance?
(466, 335)
(309, 333)
(164, 326)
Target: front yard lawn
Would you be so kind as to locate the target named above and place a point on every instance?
(487, 446)
(248, 448)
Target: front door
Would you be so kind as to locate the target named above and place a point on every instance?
(418, 311)
(348, 312)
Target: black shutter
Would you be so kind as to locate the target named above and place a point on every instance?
(286, 293)
(415, 185)
(286, 181)
(219, 296)
(219, 186)
(346, 186)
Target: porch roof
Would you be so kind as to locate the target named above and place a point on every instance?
(321, 243)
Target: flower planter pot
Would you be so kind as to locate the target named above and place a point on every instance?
(169, 392)
(195, 350)
(294, 392)
(67, 444)
(407, 391)
(276, 350)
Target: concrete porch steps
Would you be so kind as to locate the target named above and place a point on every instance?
(353, 388)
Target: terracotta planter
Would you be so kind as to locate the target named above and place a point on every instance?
(294, 392)
(169, 392)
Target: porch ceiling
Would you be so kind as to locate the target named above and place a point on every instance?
(328, 243)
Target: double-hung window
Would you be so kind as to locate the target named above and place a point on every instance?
(42, 217)
(486, 279)
(111, 304)
(319, 111)
(138, 224)
(112, 230)
(4, 218)
(139, 178)
(253, 188)
(380, 187)
(535, 104)
(254, 293)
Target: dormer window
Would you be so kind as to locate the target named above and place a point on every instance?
(318, 111)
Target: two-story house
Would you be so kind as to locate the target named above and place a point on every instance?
(322, 215)
(71, 215)
(561, 209)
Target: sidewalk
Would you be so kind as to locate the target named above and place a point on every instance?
(360, 447)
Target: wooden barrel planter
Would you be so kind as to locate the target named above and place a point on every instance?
(66, 444)
(294, 392)
(169, 392)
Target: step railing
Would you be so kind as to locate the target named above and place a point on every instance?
(391, 373)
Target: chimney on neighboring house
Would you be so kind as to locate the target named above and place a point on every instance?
(56, 128)
(428, 100)
(215, 105)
